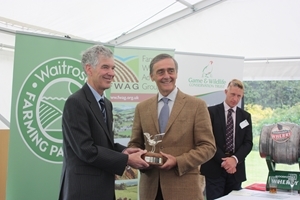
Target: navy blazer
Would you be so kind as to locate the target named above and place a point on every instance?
(91, 158)
(243, 142)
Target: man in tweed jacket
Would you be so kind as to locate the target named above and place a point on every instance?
(188, 141)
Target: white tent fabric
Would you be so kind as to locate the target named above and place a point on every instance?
(272, 70)
(97, 20)
(248, 28)
(265, 32)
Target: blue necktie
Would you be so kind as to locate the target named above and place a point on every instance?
(229, 132)
(163, 115)
(103, 110)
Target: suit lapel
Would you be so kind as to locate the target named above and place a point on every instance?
(177, 107)
(96, 110)
(238, 118)
(221, 113)
(152, 109)
(109, 118)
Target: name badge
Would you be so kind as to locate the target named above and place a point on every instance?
(244, 123)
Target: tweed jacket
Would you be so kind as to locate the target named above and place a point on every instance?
(188, 137)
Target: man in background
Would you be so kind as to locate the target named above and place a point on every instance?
(91, 158)
(187, 143)
(232, 128)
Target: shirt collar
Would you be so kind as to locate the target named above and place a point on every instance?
(96, 94)
(226, 107)
(171, 96)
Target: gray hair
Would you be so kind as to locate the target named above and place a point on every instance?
(91, 55)
(159, 58)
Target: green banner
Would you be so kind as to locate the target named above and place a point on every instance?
(46, 71)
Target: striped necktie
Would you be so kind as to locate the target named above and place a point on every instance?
(229, 132)
(103, 110)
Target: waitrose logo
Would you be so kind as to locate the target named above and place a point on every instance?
(40, 104)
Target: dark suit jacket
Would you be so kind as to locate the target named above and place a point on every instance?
(188, 137)
(91, 158)
(243, 142)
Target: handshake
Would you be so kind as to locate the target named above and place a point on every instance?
(135, 158)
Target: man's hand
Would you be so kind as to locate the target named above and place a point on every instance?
(131, 150)
(135, 159)
(170, 162)
(229, 164)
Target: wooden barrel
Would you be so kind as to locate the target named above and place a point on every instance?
(280, 141)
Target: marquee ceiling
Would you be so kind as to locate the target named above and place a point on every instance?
(249, 28)
(98, 20)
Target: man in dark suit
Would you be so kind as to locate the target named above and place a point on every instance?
(226, 170)
(91, 158)
(188, 141)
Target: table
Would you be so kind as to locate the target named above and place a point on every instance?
(246, 194)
